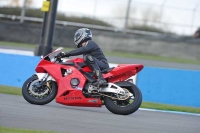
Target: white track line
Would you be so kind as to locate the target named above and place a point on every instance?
(19, 52)
(165, 111)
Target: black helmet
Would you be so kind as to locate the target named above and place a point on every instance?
(82, 35)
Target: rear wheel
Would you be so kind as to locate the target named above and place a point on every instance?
(127, 106)
(38, 95)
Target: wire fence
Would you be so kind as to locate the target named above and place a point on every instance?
(168, 15)
(66, 23)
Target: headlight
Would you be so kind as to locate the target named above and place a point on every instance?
(74, 82)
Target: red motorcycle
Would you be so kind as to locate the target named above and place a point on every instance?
(70, 82)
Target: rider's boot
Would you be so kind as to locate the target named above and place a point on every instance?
(100, 80)
(95, 68)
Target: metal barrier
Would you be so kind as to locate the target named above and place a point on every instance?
(66, 23)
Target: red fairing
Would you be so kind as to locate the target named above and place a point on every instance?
(80, 60)
(68, 95)
(123, 72)
(76, 98)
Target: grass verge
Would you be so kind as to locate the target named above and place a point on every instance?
(17, 91)
(10, 90)
(13, 44)
(158, 106)
(118, 54)
(152, 57)
(17, 130)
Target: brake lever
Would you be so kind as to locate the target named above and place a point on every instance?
(57, 59)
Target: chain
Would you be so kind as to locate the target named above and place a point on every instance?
(115, 97)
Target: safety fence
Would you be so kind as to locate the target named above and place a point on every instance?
(167, 15)
(98, 27)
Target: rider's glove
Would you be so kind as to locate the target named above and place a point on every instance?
(63, 54)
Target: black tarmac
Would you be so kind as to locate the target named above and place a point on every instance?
(16, 112)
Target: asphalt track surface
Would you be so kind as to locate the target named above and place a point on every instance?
(16, 112)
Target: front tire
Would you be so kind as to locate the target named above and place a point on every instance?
(30, 96)
(125, 107)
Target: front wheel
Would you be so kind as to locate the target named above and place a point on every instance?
(128, 106)
(38, 95)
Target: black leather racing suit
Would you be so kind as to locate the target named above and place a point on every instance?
(92, 49)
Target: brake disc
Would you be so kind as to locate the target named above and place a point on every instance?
(31, 89)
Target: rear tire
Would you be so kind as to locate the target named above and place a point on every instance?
(37, 100)
(130, 108)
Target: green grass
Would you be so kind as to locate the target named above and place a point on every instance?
(118, 54)
(33, 12)
(152, 57)
(17, 130)
(13, 44)
(10, 90)
(24, 45)
(170, 107)
(17, 91)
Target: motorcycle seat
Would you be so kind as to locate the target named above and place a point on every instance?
(103, 71)
(107, 70)
(83, 65)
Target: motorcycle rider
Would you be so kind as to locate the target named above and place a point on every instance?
(92, 54)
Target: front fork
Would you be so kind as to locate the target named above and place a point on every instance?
(43, 80)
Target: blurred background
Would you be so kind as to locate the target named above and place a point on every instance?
(179, 17)
(167, 28)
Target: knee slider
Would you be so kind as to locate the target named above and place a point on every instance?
(89, 59)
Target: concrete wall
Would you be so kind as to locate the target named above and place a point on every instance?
(171, 86)
(166, 46)
(161, 85)
(15, 69)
